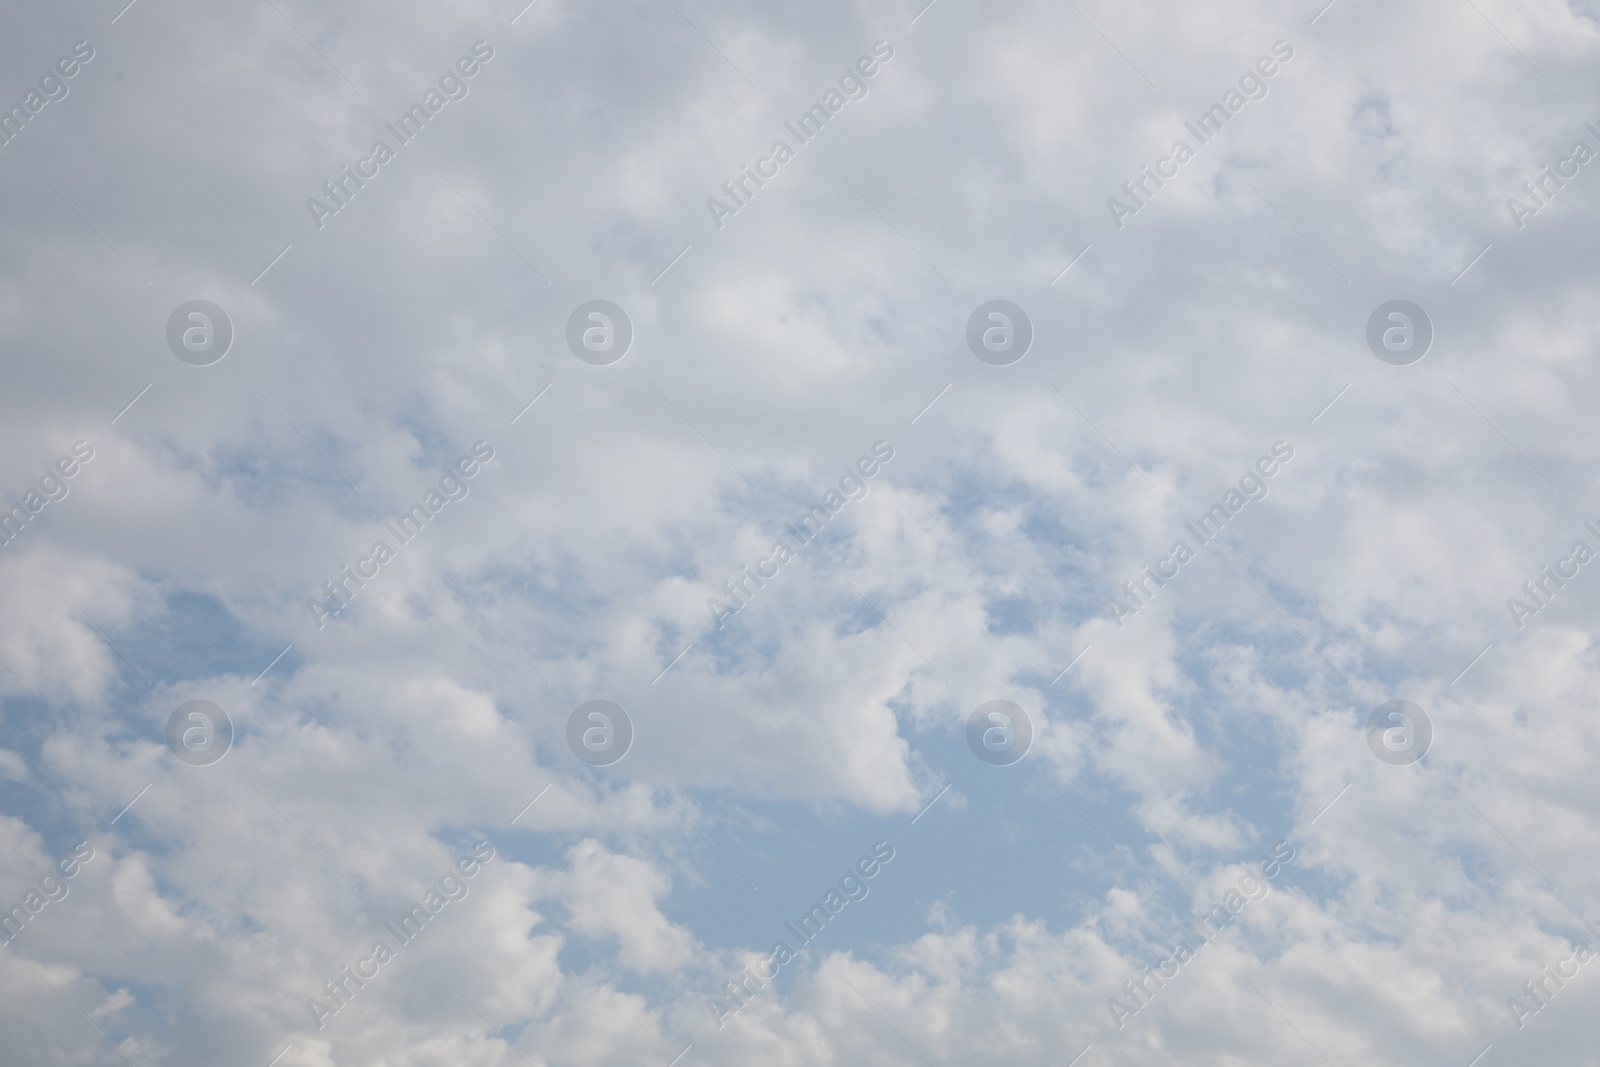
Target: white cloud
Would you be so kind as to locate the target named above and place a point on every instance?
(822, 318)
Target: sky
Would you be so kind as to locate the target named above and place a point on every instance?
(1186, 655)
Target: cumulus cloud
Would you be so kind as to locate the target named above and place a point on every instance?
(388, 711)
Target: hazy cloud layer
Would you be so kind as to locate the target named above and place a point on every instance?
(311, 415)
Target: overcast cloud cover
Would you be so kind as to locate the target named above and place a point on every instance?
(1200, 769)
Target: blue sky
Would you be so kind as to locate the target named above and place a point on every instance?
(1170, 752)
